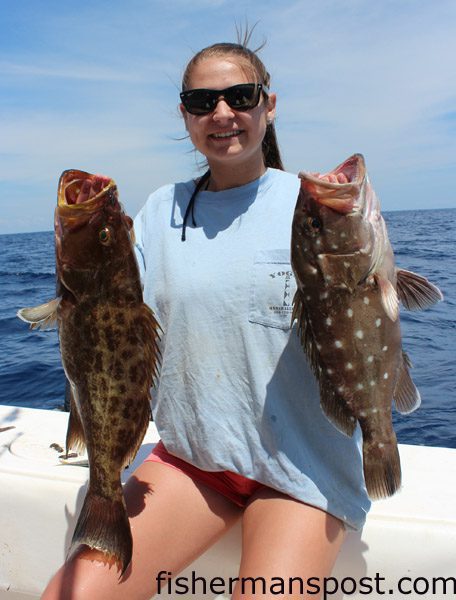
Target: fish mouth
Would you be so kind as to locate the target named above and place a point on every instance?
(341, 197)
(69, 188)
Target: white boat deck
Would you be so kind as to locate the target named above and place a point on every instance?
(411, 535)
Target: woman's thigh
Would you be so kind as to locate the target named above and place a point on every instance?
(283, 539)
(173, 520)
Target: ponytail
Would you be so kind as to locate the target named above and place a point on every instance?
(270, 146)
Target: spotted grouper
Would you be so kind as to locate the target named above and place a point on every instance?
(347, 310)
(108, 343)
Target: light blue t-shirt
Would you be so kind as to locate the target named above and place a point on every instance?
(235, 390)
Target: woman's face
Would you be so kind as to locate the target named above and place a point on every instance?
(246, 129)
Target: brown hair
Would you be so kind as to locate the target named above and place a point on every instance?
(248, 60)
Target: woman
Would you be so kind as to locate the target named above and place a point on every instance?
(237, 409)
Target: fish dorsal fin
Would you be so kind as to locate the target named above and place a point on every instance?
(406, 395)
(336, 409)
(415, 291)
(304, 332)
(389, 298)
(334, 406)
(43, 316)
(151, 329)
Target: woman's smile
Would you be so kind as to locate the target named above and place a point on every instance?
(225, 134)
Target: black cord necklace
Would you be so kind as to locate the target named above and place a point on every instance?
(191, 204)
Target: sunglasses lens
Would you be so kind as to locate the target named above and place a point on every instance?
(242, 97)
(239, 97)
(199, 102)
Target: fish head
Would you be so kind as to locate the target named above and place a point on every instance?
(93, 237)
(333, 237)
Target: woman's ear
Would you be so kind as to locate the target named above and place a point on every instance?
(271, 108)
(184, 114)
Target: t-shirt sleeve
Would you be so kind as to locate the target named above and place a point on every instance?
(138, 225)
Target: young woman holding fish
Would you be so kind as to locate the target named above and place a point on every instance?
(237, 408)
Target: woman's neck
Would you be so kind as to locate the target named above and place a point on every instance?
(224, 177)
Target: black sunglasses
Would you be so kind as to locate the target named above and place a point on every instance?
(243, 96)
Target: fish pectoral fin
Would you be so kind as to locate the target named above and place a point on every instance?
(415, 291)
(43, 316)
(336, 410)
(388, 296)
(75, 437)
(406, 395)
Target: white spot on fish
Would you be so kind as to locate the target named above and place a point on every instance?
(370, 359)
(352, 419)
(359, 334)
(343, 234)
(349, 313)
(366, 300)
(312, 270)
(328, 278)
(385, 348)
(374, 410)
(335, 247)
(359, 386)
(381, 445)
(363, 413)
(349, 366)
(346, 264)
(338, 344)
(385, 375)
(318, 346)
(308, 298)
(318, 242)
(328, 321)
(378, 322)
(341, 389)
(329, 371)
(323, 296)
(372, 383)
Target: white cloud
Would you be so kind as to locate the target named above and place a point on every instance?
(97, 89)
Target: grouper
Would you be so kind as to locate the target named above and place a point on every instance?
(347, 311)
(109, 347)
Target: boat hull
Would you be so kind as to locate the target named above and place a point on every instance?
(409, 540)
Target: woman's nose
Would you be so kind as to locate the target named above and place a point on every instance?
(222, 110)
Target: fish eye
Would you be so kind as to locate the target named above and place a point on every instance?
(314, 223)
(105, 236)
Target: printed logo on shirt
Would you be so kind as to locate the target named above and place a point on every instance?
(286, 307)
(272, 290)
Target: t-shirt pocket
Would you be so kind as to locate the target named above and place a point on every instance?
(272, 289)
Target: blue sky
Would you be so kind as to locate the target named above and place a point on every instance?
(94, 86)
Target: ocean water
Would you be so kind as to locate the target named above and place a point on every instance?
(31, 374)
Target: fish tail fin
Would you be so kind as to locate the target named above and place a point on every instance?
(103, 524)
(382, 468)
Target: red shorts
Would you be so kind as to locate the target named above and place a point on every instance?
(235, 487)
